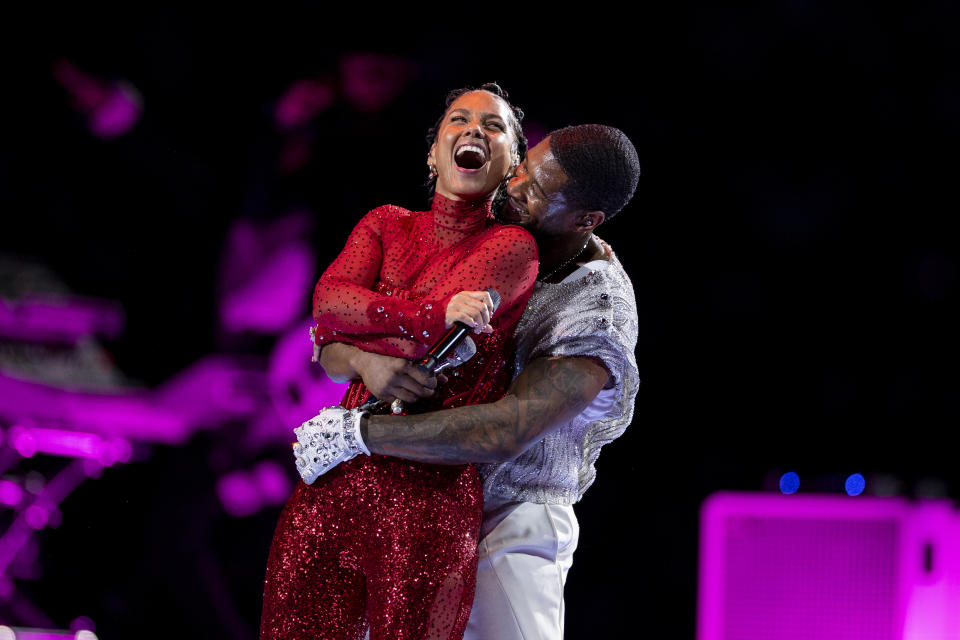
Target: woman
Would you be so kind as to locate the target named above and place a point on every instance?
(378, 540)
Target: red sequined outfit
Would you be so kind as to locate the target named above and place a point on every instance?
(381, 540)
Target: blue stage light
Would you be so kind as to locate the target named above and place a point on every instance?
(855, 484)
(789, 483)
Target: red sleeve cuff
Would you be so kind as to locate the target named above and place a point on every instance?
(421, 320)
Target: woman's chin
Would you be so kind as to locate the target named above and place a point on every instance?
(473, 192)
(472, 184)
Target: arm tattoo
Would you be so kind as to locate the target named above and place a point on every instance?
(548, 393)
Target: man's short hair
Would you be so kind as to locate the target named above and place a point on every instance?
(601, 164)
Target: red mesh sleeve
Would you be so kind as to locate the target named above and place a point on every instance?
(344, 291)
(505, 260)
(347, 310)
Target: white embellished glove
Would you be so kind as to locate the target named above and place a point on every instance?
(326, 440)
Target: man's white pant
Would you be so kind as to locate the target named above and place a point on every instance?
(525, 550)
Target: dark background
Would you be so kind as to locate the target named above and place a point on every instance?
(790, 245)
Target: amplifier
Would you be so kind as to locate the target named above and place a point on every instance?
(827, 567)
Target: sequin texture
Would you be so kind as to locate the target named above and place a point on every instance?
(378, 540)
(595, 316)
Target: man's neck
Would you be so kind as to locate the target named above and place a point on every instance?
(561, 255)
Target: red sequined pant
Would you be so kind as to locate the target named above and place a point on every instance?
(380, 537)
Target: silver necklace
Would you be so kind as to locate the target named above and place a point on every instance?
(568, 261)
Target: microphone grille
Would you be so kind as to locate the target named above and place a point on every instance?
(464, 351)
(495, 297)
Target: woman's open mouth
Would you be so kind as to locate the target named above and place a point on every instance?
(470, 157)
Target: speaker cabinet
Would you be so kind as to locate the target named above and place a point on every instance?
(818, 567)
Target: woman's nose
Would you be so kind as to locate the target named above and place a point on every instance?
(474, 129)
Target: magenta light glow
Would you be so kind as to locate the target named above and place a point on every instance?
(29, 441)
(243, 493)
(118, 113)
(371, 81)
(112, 109)
(298, 387)
(272, 299)
(42, 512)
(60, 319)
(807, 567)
(20, 633)
(212, 390)
(130, 415)
(302, 102)
(10, 493)
(266, 268)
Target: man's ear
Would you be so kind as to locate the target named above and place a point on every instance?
(590, 220)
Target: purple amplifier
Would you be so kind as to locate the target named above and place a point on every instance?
(824, 567)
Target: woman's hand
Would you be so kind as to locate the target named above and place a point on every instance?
(473, 308)
(389, 378)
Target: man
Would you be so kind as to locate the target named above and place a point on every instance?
(574, 393)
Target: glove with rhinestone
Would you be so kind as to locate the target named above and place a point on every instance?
(326, 440)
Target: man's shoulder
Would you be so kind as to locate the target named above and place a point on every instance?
(599, 304)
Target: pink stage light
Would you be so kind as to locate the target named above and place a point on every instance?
(82, 623)
(274, 298)
(371, 81)
(298, 387)
(41, 513)
(828, 568)
(274, 483)
(126, 415)
(238, 494)
(20, 633)
(302, 102)
(265, 270)
(213, 390)
(112, 109)
(37, 516)
(243, 493)
(10, 493)
(118, 113)
(70, 444)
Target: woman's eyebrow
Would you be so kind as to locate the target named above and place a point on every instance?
(484, 115)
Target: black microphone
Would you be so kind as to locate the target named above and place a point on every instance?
(452, 338)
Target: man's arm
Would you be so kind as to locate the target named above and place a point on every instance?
(548, 393)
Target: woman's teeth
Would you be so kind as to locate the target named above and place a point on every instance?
(470, 156)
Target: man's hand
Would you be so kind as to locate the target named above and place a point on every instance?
(326, 440)
(388, 378)
(472, 308)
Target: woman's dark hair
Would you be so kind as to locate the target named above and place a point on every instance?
(516, 118)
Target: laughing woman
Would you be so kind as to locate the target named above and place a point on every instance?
(379, 541)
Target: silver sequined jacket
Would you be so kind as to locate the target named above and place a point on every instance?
(595, 315)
